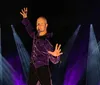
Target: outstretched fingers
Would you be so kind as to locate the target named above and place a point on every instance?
(59, 47)
(56, 46)
(61, 53)
(22, 10)
(25, 9)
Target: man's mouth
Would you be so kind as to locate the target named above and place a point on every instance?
(39, 30)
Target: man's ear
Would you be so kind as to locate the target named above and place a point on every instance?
(46, 25)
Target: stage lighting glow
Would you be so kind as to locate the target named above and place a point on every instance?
(76, 61)
(23, 54)
(66, 51)
(69, 45)
(93, 62)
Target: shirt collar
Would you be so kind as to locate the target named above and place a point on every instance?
(47, 35)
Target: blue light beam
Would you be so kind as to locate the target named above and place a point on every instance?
(93, 62)
(23, 54)
(10, 76)
(66, 51)
(69, 45)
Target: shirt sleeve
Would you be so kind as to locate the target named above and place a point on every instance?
(53, 59)
(28, 27)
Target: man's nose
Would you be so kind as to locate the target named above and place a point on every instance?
(38, 27)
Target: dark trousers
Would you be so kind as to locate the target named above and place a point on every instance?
(41, 74)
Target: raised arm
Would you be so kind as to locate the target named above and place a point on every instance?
(26, 22)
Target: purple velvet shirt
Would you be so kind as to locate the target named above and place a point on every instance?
(41, 45)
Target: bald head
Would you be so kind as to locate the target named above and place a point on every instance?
(42, 19)
(41, 25)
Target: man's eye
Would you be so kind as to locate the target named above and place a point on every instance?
(38, 24)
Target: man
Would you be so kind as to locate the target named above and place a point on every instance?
(42, 50)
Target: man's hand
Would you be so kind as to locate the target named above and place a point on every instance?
(24, 12)
(57, 52)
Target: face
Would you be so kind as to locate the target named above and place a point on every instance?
(41, 25)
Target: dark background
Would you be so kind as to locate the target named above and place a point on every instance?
(63, 17)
